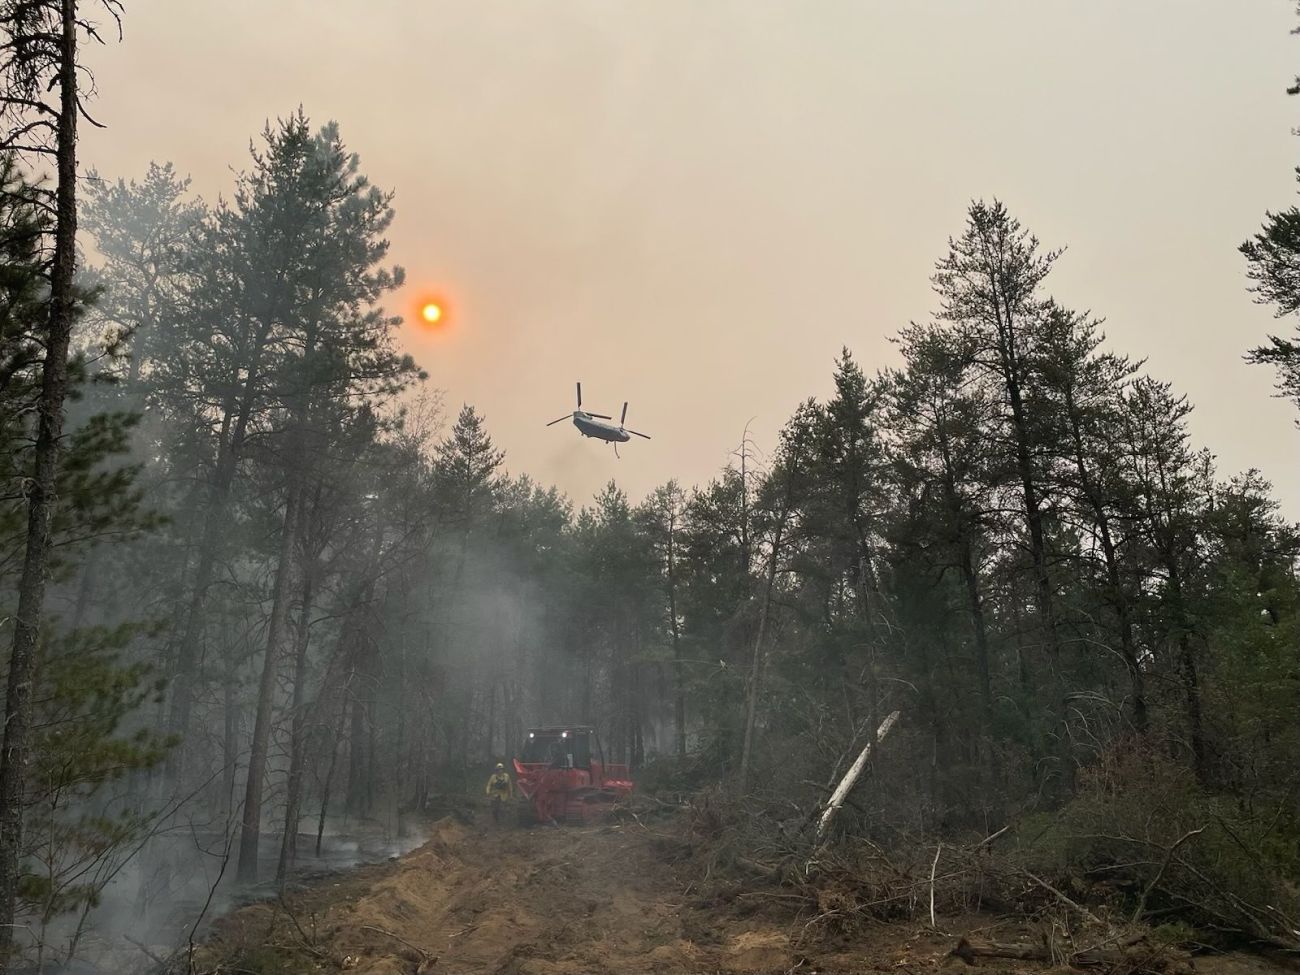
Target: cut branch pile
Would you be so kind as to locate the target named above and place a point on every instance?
(1101, 907)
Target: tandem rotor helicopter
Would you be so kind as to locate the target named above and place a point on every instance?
(589, 425)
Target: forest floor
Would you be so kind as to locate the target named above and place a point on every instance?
(565, 901)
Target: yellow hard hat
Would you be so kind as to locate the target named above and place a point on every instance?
(500, 766)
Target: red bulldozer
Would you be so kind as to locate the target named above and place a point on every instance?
(563, 777)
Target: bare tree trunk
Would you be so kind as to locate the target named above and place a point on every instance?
(372, 757)
(329, 776)
(851, 776)
(297, 735)
(40, 489)
(356, 749)
(85, 588)
(679, 661)
(1189, 677)
(491, 719)
(230, 736)
(251, 828)
(756, 664)
(1192, 695)
(636, 742)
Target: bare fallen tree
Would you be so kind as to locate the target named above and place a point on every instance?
(851, 776)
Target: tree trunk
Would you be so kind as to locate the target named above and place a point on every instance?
(976, 603)
(40, 490)
(1038, 552)
(297, 736)
(356, 750)
(756, 664)
(334, 743)
(215, 525)
(1119, 598)
(970, 575)
(230, 736)
(251, 829)
(851, 776)
(679, 660)
(1191, 682)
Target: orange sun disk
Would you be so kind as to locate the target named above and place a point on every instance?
(431, 312)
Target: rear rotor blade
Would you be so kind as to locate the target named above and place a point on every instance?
(579, 395)
(623, 419)
(565, 417)
(646, 435)
(600, 416)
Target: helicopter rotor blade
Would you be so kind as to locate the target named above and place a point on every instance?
(623, 419)
(565, 417)
(579, 395)
(646, 435)
(600, 416)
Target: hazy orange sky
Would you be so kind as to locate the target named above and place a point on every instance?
(694, 205)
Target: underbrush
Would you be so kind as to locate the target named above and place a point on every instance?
(1141, 851)
(1144, 837)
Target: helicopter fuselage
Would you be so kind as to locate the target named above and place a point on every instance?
(589, 426)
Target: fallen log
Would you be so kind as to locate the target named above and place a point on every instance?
(1137, 958)
(765, 871)
(851, 776)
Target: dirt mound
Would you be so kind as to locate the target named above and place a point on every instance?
(503, 900)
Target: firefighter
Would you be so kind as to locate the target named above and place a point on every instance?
(499, 789)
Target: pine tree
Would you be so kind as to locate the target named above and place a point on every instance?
(1083, 389)
(942, 420)
(144, 231)
(333, 347)
(465, 472)
(990, 288)
(1273, 265)
(40, 56)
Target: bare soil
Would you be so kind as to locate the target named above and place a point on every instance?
(548, 901)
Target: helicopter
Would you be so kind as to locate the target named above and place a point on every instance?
(590, 425)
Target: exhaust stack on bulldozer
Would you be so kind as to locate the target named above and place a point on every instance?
(563, 776)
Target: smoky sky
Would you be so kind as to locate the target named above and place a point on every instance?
(694, 205)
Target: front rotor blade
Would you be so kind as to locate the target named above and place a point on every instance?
(565, 417)
(600, 416)
(579, 395)
(623, 419)
(646, 435)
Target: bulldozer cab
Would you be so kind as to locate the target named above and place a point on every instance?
(561, 747)
(563, 776)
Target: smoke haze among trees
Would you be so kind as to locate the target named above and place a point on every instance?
(287, 583)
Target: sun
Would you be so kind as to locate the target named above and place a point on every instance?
(431, 312)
